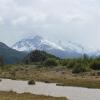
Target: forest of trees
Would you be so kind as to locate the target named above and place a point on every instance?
(38, 57)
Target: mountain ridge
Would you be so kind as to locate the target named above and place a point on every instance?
(40, 43)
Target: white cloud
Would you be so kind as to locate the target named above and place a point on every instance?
(20, 20)
(1, 20)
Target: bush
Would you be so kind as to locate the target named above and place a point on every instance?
(1, 61)
(80, 68)
(95, 65)
(69, 63)
(31, 82)
(50, 62)
(64, 62)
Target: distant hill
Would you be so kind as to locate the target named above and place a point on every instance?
(38, 56)
(10, 55)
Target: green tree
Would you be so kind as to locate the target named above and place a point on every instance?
(1, 61)
(50, 62)
(80, 67)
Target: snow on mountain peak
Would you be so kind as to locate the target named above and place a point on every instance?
(36, 42)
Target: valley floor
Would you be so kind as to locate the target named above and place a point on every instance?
(25, 96)
(59, 75)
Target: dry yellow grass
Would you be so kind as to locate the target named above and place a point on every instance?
(57, 75)
(26, 96)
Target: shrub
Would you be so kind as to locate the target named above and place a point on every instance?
(1, 61)
(95, 65)
(80, 68)
(31, 82)
(50, 62)
(64, 62)
(71, 64)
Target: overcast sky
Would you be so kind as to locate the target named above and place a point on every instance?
(70, 20)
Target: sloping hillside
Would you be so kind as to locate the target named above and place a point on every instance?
(9, 55)
(38, 56)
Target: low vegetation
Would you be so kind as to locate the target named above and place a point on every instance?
(1, 61)
(83, 64)
(95, 64)
(58, 74)
(78, 65)
(26, 96)
(50, 62)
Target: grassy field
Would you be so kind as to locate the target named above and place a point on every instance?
(59, 75)
(26, 96)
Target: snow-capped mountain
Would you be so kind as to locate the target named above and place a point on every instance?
(39, 43)
(33, 43)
